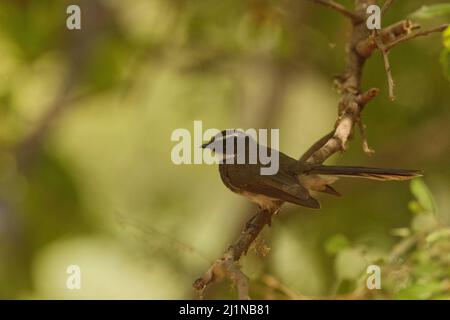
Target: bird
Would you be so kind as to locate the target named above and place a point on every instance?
(295, 181)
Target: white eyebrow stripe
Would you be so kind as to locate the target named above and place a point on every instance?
(233, 134)
(218, 139)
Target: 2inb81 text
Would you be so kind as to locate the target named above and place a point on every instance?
(245, 309)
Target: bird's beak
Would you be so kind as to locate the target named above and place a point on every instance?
(205, 145)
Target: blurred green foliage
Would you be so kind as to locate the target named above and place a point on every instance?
(436, 10)
(417, 267)
(85, 171)
(445, 55)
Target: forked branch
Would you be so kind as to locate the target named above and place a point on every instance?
(411, 36)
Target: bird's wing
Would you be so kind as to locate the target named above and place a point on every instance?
(282, 186)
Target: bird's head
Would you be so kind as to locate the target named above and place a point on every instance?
(228, 143)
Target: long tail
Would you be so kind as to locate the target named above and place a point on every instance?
(365, 172)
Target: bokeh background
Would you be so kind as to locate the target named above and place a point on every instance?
(86, 176)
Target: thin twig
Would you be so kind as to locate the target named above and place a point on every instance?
(362, 131)
(276, 285)
(387, 4)
(395, 31)
(411, 36)
(339, 8)
(387, 66)
(367, 96)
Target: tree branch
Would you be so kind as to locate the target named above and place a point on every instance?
(395, 31)
(360, 46)
(387, 66)
(390, 37)
(352, 101)
(387, 4)
(228, 264)
(316, 146)
(339, 8)
(411, 36)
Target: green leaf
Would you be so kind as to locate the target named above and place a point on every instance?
(438, 235)
(336, 244)
(436, 10)
(446, 37)
(415, 207)
(423, 195)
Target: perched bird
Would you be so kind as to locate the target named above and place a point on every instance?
(293, 182)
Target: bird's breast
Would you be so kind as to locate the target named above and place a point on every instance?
(262, 201)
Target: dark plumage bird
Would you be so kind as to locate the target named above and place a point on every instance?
(293, 182)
